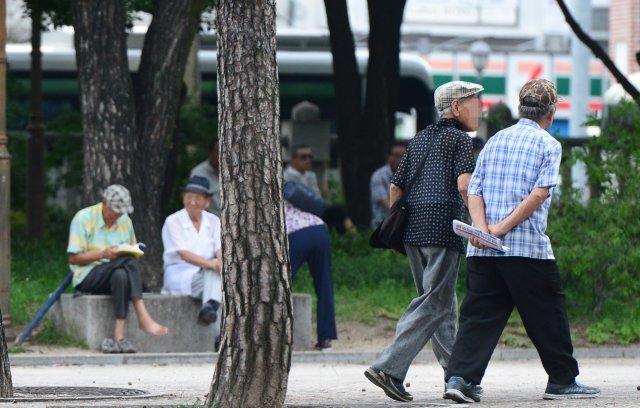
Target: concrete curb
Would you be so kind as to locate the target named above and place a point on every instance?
(303, 357)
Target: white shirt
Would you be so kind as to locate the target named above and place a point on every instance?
(178, 233)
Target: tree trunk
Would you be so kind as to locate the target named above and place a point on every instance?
(162, 65)
(365, 134)
(378, 121)
(36, 146)
(255, 356)
(348, 88)
(106, 97)
(6, 384)
(127, 133)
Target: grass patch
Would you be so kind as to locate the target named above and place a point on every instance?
(36, 271)
(369, 285)
(47, 334)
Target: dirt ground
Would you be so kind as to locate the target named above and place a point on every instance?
(356, 336)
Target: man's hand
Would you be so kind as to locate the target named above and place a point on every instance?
(475, 242)
(216, 265)
(110, 253)
(498, 230)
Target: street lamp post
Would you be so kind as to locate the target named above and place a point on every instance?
(5, 177)
(480, 51)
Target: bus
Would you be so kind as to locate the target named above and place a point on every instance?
(305, 74)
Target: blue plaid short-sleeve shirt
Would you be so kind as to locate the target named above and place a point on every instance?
(514, 162)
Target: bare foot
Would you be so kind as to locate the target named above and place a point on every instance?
(153, 328)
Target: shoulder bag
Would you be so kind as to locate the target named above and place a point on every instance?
(389, 233)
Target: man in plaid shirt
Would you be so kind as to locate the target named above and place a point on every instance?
(509, 197)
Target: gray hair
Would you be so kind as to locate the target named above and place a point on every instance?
(535, 113)
(444, 111)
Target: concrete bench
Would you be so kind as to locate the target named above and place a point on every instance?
(90, 318)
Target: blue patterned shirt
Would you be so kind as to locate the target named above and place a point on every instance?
(379, 186)
(434, 201)
(514, 162)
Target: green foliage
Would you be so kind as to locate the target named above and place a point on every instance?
(197, 126)
(47, 334)
(36, 270)
(597, 244)
(369, 284)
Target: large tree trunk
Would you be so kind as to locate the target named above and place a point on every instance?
(6, 385)
(106, 97)
(162, 65)
(127, 134)
(378, 121)
(255, 357)
(35, 181)
(364, 134)
(348, 88)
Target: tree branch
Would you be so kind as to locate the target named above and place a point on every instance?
(599, 52)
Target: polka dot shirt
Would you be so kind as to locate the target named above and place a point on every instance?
(434, 201)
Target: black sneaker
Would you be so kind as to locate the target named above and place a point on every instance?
(209, 313)
(459, 390)
(444, 395)
(324, 345)
(571, 391)
(391, 386)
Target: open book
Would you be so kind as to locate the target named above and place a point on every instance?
(467, 231)
(136, 250)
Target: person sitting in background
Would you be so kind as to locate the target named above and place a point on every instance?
(192, 251)
(309, 242)
(98, 267)
(381, 181)
(210, 169)
(299, 171)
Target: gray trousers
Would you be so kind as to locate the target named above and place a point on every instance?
(430, 316)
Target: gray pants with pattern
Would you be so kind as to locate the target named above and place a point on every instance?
(430, 316)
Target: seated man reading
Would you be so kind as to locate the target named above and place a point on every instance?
(192, 251)
(99, 268)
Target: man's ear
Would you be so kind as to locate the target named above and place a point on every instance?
(455, 107)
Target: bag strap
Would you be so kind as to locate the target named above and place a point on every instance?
(407, 190)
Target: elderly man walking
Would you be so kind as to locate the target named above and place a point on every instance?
(440, 157)
(509, 197)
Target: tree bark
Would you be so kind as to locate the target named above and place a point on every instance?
(162, 65)
(255, 356)
(6, 384)
(348, 88)
(364, 133)
(36, 145)
(599, 52)
(128, 130)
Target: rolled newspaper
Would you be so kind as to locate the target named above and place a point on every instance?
(467, 231)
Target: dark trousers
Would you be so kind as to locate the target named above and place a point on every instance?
(494, 286)
(313, 245)
(120, 278)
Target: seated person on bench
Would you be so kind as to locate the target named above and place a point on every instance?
(98, 267)
(192, 251)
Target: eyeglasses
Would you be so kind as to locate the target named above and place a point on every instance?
(305, 156)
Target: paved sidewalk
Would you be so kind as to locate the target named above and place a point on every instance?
(515, 383)
(426, 356)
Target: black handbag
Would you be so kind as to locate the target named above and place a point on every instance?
(389, 233)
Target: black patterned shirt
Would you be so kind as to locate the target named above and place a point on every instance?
(434, 201)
